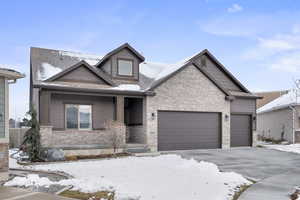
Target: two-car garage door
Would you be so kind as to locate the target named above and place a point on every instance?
(179, 130)
(188, 130)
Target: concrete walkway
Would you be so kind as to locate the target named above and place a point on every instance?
(276, 172)
(11, 193)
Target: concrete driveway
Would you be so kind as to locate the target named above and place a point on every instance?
(276, 172)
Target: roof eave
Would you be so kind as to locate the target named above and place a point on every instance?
(90, 90)
(116, 50)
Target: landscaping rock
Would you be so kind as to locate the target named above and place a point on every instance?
(53, 154)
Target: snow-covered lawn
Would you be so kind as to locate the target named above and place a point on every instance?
(160, 178)
(294, 148)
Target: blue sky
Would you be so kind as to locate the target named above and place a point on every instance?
(259, 42)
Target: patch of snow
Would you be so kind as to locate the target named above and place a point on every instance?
(132, 87)
(157, 71)
(14, 156)
(291, 98)
(46, 71)
(89, 58)
(294, 148)
(149, 178)
(30, 180)
(152, 69)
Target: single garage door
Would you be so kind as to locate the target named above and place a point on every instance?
(240, 130)
(188, 130)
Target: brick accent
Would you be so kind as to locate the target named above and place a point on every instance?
(3, 157)
(189, 90)
(69, 138)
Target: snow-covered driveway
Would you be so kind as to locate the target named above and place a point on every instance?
(160, 178)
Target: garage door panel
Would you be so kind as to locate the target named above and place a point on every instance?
(240, 130)
(188, 130)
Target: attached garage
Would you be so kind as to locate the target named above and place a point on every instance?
(240, 130)
(179, 130)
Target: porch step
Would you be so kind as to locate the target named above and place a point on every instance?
(137, 148)
(148, 154)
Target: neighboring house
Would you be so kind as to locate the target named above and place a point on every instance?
(192, 104)
(12, 123)
(268, 97)
(7, 76)
(279, 119)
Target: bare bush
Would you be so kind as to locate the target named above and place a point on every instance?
(116, 134)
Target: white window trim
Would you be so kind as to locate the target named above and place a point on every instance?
(118, 67)
(78, 117)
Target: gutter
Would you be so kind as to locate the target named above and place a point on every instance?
(293, 125)
(102, 91)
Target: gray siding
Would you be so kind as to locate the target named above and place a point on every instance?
(243, 106)
(276, 124)
(107, 67)
(215, 72)
(126, 54)
(82, 74)
(240, 105)
(102, 109)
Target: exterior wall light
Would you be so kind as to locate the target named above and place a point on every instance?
(226, 117)
(153, 116)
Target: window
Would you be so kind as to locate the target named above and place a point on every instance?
(125, 67)
(78, 116)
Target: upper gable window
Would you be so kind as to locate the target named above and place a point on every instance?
(125, 67)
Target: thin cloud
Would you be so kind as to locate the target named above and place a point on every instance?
(234, 8)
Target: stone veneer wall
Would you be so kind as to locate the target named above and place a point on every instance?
(189, 90)
(80, 138)
(3, 161)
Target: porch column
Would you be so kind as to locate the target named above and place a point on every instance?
(45, 104)
(120, 109)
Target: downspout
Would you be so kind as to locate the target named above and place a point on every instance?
(293, 125)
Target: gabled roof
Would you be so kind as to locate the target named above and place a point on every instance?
(180, 68)
(96, 71)
(10, 74)
(269, 96)
(221, 67)
(175, 68)
(289, 99)
(48, 64)
(123, 46)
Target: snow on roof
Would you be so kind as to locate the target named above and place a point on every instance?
(46, 71)
(131, 87)
(158, 71)
(89, 58)
(291, 98)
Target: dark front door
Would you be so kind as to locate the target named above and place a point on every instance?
(240, 130)
(188, 130)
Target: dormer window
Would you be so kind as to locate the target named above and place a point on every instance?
(125, 67)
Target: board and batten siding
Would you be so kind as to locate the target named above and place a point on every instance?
(216, 72)
(81, 74)
(111, 66)
(103, 109)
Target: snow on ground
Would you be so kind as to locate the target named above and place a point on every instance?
(14, 156)
(294, 148)
(162, 177)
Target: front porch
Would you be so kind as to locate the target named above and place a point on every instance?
(125, 111)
